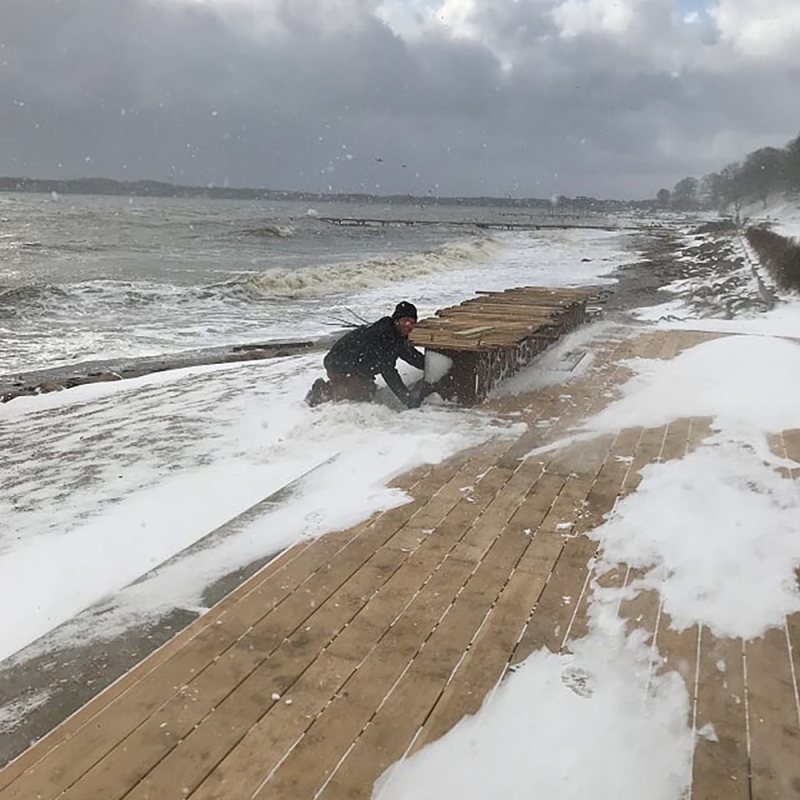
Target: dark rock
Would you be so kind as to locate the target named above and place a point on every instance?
(45, 387)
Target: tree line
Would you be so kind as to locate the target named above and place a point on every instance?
(763, 172)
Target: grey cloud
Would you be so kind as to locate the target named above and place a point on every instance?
(129, 89)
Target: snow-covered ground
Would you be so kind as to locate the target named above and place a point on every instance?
(782, 212)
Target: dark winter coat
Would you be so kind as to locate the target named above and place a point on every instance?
(371, 350)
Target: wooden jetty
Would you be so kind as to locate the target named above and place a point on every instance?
(554, 221)
(492, 336)
(350, 652)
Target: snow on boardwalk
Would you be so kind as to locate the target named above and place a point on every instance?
(352, 652)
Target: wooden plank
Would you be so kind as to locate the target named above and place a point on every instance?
(772, 709)
(550, 620)
(720, 770)
(791, 442)
(441, 503)
(676, 440)
(473, 331)
(571, 503)
(610, 478)
(658, 445)
(600, 501)
(699, 431)
(648, 452)
(641, 611)
(485, 662)
(678, 649)
(490, 523)
(793, 633)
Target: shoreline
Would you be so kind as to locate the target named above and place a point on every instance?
(636, 284)
(55, 379)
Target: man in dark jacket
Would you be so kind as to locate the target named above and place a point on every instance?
(369, 350)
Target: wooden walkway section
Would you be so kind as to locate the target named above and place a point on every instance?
(490, 337)
(351, 651)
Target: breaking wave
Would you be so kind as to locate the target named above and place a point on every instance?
(108, 296)
(58, 300)
(270, 230)
(372, 272)
(31, 296)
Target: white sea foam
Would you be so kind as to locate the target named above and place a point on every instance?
(366, 274)
(268, 229)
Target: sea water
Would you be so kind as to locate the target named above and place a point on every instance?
(84, 277)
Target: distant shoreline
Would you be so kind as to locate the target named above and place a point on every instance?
(146, 188)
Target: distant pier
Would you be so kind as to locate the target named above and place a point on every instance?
(560, 221)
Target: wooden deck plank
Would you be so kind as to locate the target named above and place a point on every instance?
(772, 709)
(558, 604)
(600, 501)
(678, 651)
(550, 620)
(609, 481)
(676, 440)
(648, 452)
(699, 431)
(720, 770)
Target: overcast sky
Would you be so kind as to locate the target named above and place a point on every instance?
(609, 98)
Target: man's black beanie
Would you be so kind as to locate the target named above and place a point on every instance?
(405, 309)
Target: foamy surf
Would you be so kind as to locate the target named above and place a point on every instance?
(367, 274)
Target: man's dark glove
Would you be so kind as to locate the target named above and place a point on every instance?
(418, 392)
(414, 400)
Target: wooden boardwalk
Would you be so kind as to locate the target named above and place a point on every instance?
(353, 650)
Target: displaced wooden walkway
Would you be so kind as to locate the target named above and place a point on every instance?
(353, 650)
(490, 337)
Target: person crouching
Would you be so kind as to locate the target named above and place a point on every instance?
(364, 352)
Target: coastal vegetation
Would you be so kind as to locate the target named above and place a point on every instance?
(762, 173)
